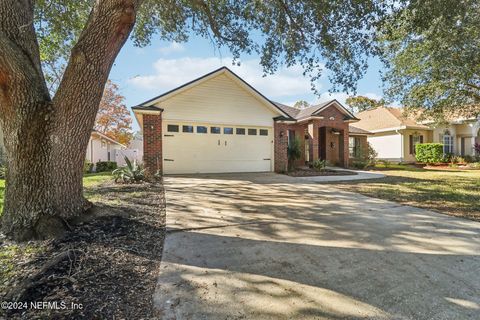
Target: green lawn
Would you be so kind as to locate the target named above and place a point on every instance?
(454, 192)
(89, 180)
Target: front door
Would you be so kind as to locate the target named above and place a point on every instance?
(322, 143)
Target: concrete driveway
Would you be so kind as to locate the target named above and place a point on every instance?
(266, 246)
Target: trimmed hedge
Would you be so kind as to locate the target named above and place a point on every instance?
(429, 152)
(104, 166)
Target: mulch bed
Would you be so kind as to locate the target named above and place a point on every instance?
(313, 173)
(107, 266)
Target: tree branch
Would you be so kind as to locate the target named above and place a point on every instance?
(16, 24)
(211, 20)
(108, 27)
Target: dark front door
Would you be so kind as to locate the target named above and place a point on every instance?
(341, 151)
(322, 143)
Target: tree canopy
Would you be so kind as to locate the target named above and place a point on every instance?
(431, 50)
(362, 103)
(113, 118)
(335, 34)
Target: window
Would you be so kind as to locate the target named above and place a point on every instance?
(263, 132)
(240, 131)
(172, 128)
(354, 147)
(252, 132)
(447, 142)
(188, 129)
(414, 140)
(291, 136)
(215, 130)
(227, 130)
(104, 144)
(202, 129)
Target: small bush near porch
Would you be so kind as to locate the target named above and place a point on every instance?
(453, 192)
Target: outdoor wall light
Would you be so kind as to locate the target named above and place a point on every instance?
(282, 134)
(332, 145)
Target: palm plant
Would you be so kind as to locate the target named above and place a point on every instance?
(294, 152)
(131, 173)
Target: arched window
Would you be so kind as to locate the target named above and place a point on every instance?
(447, 142)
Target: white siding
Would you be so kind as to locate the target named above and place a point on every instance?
(219, 100)
(96, 152)
(387, 145)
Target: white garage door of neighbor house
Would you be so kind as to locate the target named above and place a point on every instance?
(202, 148)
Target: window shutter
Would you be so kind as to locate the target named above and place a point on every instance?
(421, 139)
(411, 143)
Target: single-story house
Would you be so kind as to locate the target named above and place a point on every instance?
(394, 136)
(103, 148)
(219, 123)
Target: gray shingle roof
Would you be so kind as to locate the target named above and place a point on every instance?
(299, 114)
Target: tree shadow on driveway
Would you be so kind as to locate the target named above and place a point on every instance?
(247, 248)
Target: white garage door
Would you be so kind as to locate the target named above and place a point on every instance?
(202, 148)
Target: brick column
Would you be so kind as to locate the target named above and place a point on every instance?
(152, 143)
(280, 146)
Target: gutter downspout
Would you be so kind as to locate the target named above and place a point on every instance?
(402, 151)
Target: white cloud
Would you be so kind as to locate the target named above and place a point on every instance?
(173, 47)
(170, 73)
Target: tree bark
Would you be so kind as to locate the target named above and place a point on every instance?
(46, 139)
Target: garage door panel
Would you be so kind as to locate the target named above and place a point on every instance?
(216, 153)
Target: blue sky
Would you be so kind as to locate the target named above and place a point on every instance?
(143, 73)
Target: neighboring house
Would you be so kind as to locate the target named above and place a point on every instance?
(394, 136)
(219, 123)
(103, 148)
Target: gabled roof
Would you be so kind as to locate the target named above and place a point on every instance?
(104, 136)
(300, 114)
(147, 105)
(357, 131)
(385, 119)
(147, 108)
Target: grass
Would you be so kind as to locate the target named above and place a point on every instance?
(454, 192)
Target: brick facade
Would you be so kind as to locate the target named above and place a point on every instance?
(280, 146)
(330, 133)
(152, 143)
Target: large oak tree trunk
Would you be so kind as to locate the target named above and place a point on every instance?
(46, 139)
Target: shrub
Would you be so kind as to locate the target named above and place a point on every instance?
(131, 173)
(104, 166)
(366, 158)
(319, 165)
(476, 147)
(87, 167)
(474, 165)
(469, 159)
(447, 158)
(429, 152)
(294, 152)
(457, 159)
(360, 163)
